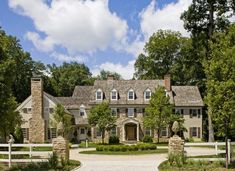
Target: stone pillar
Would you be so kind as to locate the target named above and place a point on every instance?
(61, 147)
(176, 145)
(37, 123)
(123, 132)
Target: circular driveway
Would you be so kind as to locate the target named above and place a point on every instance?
(147, 162)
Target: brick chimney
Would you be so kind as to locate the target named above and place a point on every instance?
(37, 123)
(167, 81)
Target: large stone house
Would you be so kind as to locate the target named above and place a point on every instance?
(127, 99)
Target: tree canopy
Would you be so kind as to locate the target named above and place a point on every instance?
(104, 75)
(101, 117)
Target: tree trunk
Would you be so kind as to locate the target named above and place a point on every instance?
(102, 136)
(211, 137)
(158, 135)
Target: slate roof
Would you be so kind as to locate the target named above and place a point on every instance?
(187, 96)
(72, 102)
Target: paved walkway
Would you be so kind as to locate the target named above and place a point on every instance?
(150, 162)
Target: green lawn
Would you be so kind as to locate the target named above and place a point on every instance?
(158, 151)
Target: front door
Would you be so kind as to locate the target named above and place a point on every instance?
(131, 132)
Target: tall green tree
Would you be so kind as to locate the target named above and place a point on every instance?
(202, 19)
(220, 72)
(101, 117)
(64, 78)
(60, 115)
(104, 75)
(8, 116)
(158, 112)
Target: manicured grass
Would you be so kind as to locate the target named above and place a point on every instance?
(90, 145)
(158, 151)
(191, 165)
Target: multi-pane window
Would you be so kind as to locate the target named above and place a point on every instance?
(131, 112)
(113, 131)
(147, 94)
(147, 131)
(164, 132)
(82, 111)
(114, 111)
(27, 110)
(195, 113)
(179, 111)
(99, 95)
(131, 95)
(82, 131)
(195, 132)
(114, 94)
(98, 132)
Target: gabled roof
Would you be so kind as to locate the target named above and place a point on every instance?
(187, 96)
(72, 102)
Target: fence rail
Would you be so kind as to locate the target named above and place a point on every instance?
(30, 151)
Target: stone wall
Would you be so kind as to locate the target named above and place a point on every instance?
(37, 123)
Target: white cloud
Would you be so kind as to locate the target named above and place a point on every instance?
(77, 25)
(67, 58)
(153, 18)
(126, 71)
(44, 45)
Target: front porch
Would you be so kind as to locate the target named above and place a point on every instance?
(130, 131)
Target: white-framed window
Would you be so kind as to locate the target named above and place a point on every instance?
(82, 131)
(99, 94)
(131, 94)
(113, 131)
(147, 131)
(98, 132)
(114, 111)
(164, 132)
(114, 95)
(194, 131)
(147, 94)
(27, 110)
(131, 112)
(82, 110)
(179, 111)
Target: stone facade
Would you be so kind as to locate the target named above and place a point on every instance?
(37, 122)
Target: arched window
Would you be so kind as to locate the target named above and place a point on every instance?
(114, 94)
(147, 94)
(131, 94)
(99, 94)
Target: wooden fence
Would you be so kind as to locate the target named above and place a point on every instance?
(29, 150)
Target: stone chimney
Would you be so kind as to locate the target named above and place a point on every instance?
(37, 123)
(110, 77)
(167, 80)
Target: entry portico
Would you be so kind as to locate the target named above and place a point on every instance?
(130, 128)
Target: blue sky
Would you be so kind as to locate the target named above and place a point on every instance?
(102, 34)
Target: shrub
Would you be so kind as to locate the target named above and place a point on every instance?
(177, 159)
(147, 139)
(53, 161)
(113, 139)
(117, 148)
(124, 148)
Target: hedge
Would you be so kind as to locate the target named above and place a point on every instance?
(138, 147)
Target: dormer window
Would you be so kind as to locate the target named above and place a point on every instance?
(147, 94)
(82, 110)
(131, 94)
(114, 94)
(99, 94)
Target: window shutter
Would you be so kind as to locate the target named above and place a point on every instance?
(173, 111)
(135, 112)
(182, 111)
(198, 132)
(190, 132)
(118, 112)
(199, 113)
(126, 112)
(190, 113)
(27, 133)
(94, 132)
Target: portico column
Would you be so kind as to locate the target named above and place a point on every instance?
(138, 132)
(123, 135)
